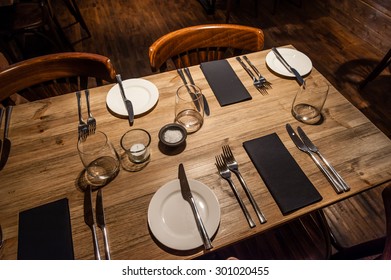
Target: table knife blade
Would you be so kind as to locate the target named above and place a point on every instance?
(127, 102)
(6, 146)
(299, 78)
(302, 147)
(187, 195)
(89, 219)
(101, 222)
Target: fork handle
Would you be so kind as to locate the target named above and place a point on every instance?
(78, 95)
(239, 199)
(258, 211)
(87, 92)
(246, 68)
(252, 66)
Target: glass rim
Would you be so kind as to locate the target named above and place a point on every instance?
(136, 129)
(106, 143)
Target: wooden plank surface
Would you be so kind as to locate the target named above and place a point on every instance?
(44, 164)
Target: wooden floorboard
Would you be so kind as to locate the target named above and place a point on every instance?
(123, 30)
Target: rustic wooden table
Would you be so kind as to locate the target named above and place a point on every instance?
(44, 164)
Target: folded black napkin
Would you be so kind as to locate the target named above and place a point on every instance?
(224, 82)
(287, 183)
(45, 232)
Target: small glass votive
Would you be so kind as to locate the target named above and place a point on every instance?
(136, 146)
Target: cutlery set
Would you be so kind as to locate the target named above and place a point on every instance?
(304, 144)
(292, 70)
(127, 102)
(100, 221)
(89, 127)
(259, 82)
(191, 82)
(5, 143)
(226, 163)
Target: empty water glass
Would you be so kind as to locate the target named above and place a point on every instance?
(99, 158)
(189, 108)
(309, 100)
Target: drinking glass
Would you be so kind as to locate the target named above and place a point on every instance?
(309, 100)
(189, 108)
(99, 158)
(136, 149)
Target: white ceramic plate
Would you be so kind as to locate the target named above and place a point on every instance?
(295, 59)
(143, 94)
(171, 220)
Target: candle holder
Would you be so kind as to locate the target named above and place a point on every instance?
(136, 149)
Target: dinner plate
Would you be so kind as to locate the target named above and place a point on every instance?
(143, 94)
(171, 220)
(295, 59)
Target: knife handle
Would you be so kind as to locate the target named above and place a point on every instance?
(96, 245)
(341, 181)
(106, 243)
(200, 226)
(338, 189)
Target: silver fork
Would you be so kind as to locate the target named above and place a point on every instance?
(261, 78)
(233, 165)
(83, 127)
(91, 122)
(226, 174)
(258, 84)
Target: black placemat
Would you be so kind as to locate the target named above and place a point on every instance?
(224, 82)
(45, 232)
(289, 186)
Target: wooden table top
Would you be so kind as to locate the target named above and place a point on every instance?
(44, 163)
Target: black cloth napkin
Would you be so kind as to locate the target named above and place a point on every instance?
(224, 82)
(287, 183)
(45, 232)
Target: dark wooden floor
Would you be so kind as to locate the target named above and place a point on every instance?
(124, 29)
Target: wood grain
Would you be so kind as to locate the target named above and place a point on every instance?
(44, 164)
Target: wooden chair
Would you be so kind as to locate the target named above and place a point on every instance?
(30, 20)
(193, 45)
(55, 74)
(379, 248)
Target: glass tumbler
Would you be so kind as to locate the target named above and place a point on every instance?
(309, 100)
(189, 108)
(99, 158)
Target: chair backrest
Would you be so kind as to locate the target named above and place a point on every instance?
(193, 45)
(55, 74)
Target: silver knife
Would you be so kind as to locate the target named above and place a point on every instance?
(100, 220)
(315, 149)
(302, 147)
(186, 194)
(6, 146)
(193, 96)
(89, 219)
(206, 105)
(299, 78)
(128, 103)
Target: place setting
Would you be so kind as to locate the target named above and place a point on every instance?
(184, 214)
(137, 95)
